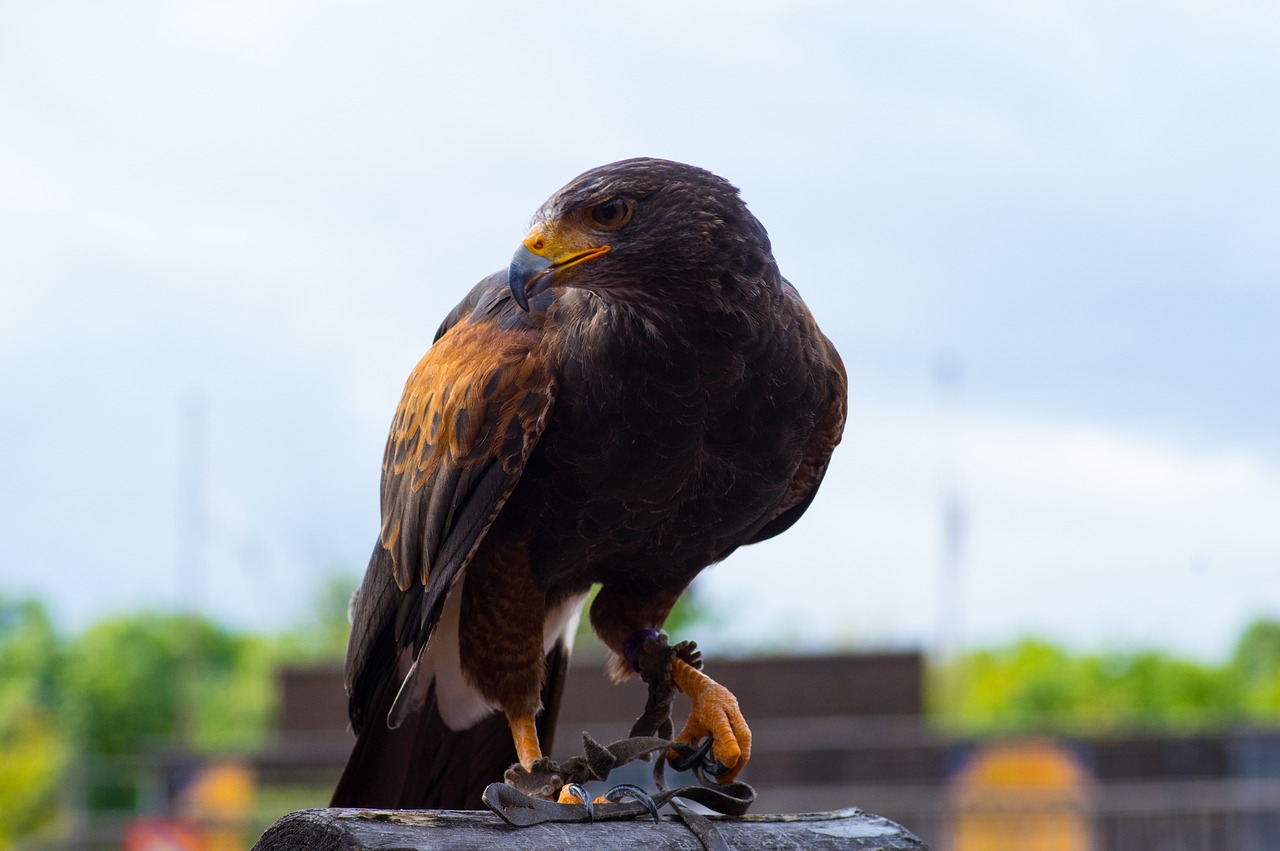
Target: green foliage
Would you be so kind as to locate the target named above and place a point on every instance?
(29, 655)
(146, 680)
(32, 752)
(235, 701)
(1014, 688)
(131, 684)
(138, 681)
(1256, 668)
(1036, 686)
(322, 637)
(123, 684)
(32, 757)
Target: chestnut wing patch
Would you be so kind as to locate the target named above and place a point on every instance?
(471, 412)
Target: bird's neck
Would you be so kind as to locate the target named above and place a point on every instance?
(587, 315)
(602, 335)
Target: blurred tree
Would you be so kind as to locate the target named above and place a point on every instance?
(126, 691)
(1035, 685)
(133, 683)
(130, 679)
(1256, 668)
(32, 751)
(1156, 689)
(322, 636)
(1029, 685)
(236, 695)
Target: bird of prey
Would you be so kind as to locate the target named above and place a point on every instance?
(639, 394)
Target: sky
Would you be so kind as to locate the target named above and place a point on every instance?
(1043, 237)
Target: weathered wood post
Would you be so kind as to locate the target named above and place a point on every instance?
(426, 830)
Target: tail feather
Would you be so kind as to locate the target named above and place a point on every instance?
(424, 764)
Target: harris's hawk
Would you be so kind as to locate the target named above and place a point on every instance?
(637, 396)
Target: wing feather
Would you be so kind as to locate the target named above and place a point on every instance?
(471, 412)
(829, 376)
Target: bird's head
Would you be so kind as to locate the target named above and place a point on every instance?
(642, 231)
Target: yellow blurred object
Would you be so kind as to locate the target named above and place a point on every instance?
(220, 799)
(1020, 796)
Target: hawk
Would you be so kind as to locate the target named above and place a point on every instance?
(639, 394)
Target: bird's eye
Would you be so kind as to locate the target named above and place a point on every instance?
(612, 214)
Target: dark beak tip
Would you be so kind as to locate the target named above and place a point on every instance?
(527, 276)
(519, 297)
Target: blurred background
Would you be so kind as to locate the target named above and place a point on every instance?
(1041, 582)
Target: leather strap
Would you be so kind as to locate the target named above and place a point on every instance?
(521, 809)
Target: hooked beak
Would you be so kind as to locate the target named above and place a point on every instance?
(547, 250)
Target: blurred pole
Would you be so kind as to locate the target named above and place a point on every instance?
(948, 386)
(193, 481)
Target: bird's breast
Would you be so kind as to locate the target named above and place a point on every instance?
(665, 457)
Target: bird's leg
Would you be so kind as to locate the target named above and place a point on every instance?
(627, 626)
(534, 774)
(501, 653)
(715, 712)
(525, 735)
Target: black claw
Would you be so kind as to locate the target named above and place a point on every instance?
(702, 762)
(575, 789)
(628, 790)
(714, 767)
(695, 757)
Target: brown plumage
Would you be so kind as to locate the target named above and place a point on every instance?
(637, 396)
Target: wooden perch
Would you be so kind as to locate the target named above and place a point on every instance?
(424, 830)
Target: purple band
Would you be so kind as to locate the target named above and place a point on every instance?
(631, 647)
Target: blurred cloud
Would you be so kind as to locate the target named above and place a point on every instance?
(272, 205)
(1089, 535)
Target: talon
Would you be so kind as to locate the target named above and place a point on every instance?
(714, 767)
(575, 794)
(694, 757)
(629, 790)
(715, 712)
